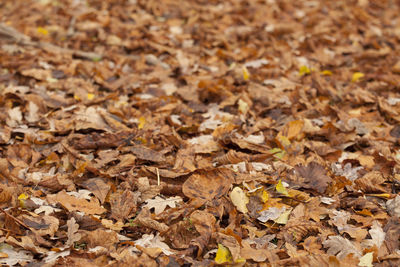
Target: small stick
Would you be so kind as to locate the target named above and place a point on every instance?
(158, 177)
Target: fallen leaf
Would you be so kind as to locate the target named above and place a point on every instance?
(357, 76)
(72, 203)
(13, 257)
(223, 255)
(239, 199)
(314, 177)
(205, 185)
(72, 234)
(280, 188)
(340, 247)
(367, 259)
(159, 204)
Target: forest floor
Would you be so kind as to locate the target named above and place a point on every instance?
(199, 133)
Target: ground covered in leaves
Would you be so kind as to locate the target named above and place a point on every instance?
(198, 133)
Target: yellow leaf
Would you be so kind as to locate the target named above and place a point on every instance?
(284, 142)
(141, 140)
(223, 255)
(246, 73)
(22, 198)
(357, 76)
(81, 167)
(239, 199)
(243, 106)
(77, 98)
(365, 212)
(42, 30)
(90, 96)
(265, 196)
(240, 260)
(304, 70)
(326, 72)
(366, 260)
(278, 153)
(284, 217)
(293, 129)
(280, 188)
(142, 122)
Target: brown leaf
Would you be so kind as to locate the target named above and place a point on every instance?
(144, 218)
(72, 234)
(313, 176)
(5, 194)
(206, 185)
(100, 140)
(145, 153)
(123, 205)
(98, 187)
(101, 237)
(44, 224)
(392, 230)
(72, 203)
(247, 252)
(27, 243)
(371, 182)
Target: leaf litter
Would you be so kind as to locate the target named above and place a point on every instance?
(199, 133)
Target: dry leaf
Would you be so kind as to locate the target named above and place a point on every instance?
(72, 203)
(159, 204)
(340, 247)
(72, 234)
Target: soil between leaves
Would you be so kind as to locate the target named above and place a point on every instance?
(157, 133)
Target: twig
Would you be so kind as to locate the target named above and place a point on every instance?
(158, 177)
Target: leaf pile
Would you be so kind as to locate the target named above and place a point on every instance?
(198, 133)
